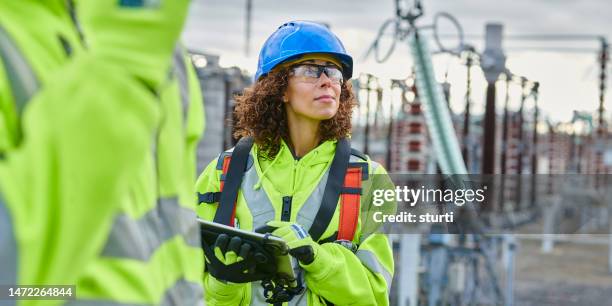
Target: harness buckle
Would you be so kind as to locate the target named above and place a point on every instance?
(347, 244)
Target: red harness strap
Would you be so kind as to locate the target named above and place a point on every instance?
(350, 204)
(226, 163)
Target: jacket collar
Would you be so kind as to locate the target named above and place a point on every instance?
(323, 153)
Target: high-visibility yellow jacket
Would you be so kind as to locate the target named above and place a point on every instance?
(156, 237)
(36, 38)
(342, 277)
(97, 195)
(82, 198)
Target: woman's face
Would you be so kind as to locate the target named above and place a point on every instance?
(311, 98)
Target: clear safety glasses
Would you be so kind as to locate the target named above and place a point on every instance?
(311, 73)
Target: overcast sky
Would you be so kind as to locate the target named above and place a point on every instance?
(568, 79)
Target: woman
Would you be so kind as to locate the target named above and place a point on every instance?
(298, 114)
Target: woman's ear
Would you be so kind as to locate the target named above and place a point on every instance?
(285, 98)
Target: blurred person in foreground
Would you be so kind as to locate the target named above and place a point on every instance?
(83, 200)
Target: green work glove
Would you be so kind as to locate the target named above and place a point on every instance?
(301, 246)
(228, 251)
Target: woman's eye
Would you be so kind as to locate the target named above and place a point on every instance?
(310, 71)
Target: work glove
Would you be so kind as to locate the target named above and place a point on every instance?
(301, 246)
(228, 251)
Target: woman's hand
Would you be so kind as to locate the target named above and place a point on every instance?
(301, 246)
(228, 251)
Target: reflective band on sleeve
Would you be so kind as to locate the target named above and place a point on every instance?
(139, 239)
(8, 248)
(299, 231)
(22, 80)
(184, 293)
(180, 71)
(181, 293)
(370, 261)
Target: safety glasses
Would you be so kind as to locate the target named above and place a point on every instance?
(311, 73)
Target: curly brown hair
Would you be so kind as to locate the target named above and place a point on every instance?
(260, 113)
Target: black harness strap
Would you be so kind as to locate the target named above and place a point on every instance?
(209, 197)
(233, 180)
(359, 154)
(331, 194)
(333, 187)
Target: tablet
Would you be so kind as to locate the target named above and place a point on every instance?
(272, 244)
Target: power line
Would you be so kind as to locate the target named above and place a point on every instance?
(552, 49)
(540, 37)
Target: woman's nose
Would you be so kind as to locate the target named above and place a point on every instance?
(325, 80)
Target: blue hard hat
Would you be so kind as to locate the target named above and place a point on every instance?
(296, 38)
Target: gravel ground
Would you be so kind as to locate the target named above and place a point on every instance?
(573, 274)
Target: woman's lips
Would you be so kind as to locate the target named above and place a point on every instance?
(325, 98)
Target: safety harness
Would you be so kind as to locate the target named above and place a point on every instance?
(344, 183)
